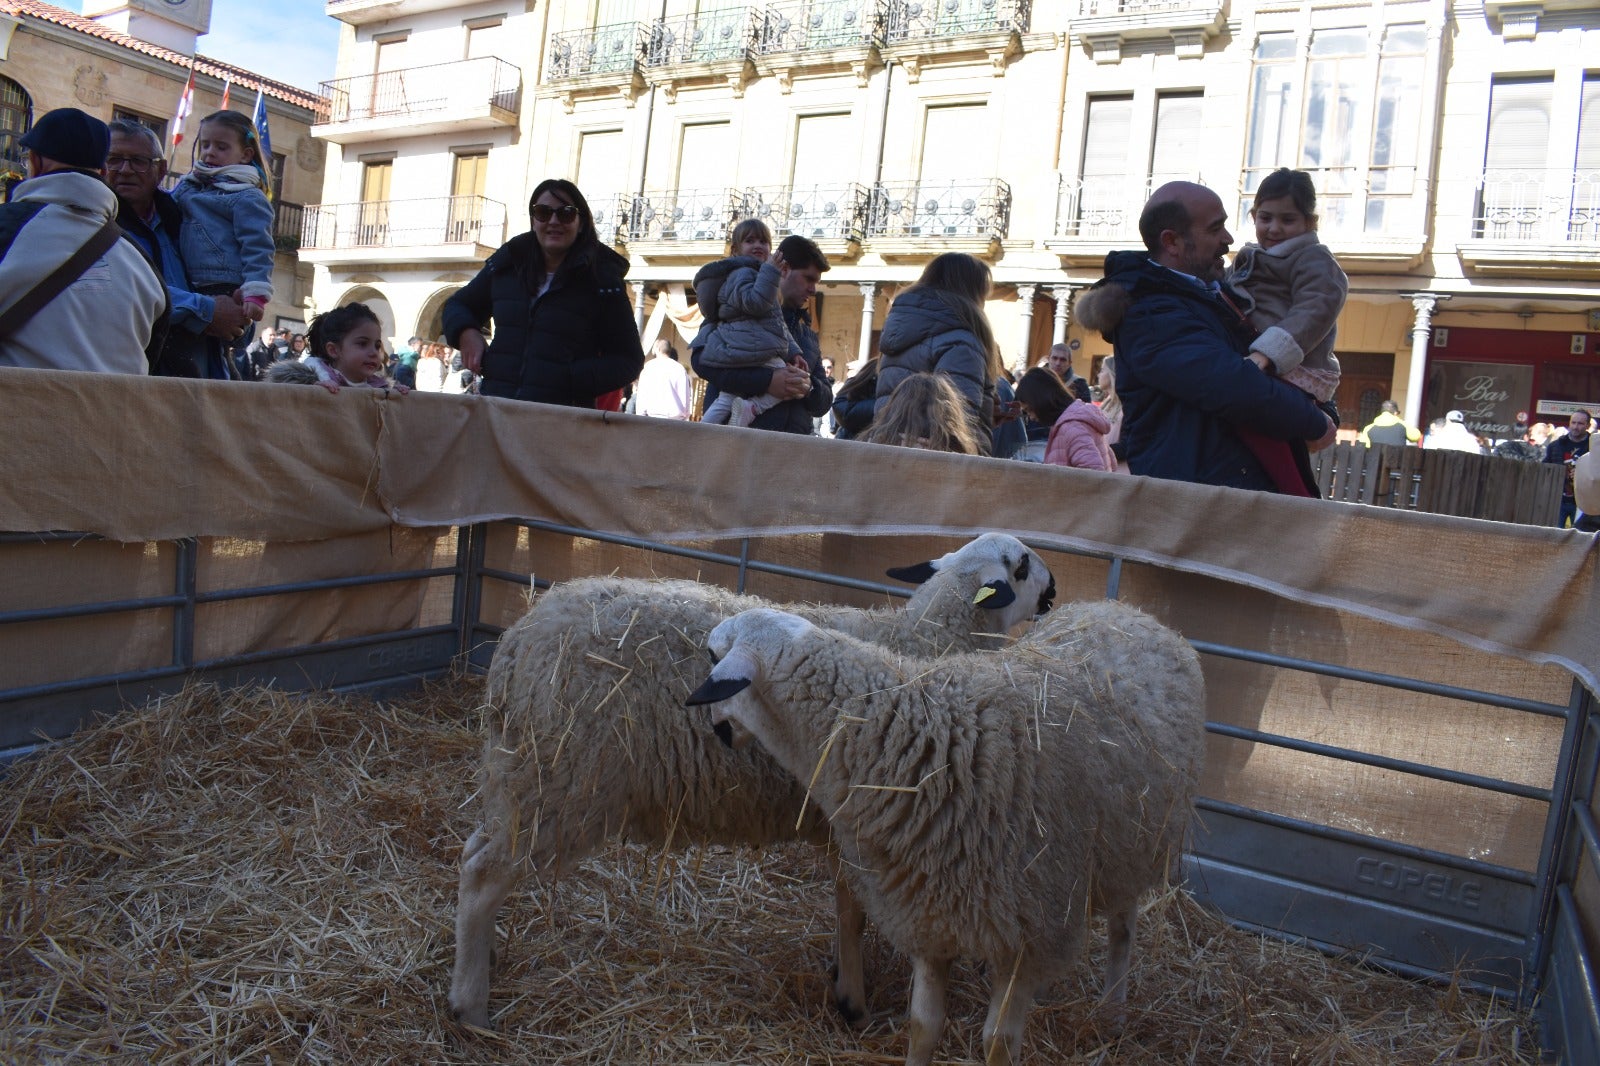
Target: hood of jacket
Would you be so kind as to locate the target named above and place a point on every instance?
(72, 189)
(1088, 414)
(915, 316)
(709, 278)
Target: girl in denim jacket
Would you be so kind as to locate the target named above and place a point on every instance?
(226, 238)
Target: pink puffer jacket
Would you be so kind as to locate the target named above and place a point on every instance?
(1079, 439)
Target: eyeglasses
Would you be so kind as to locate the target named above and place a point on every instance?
(564, 213)
(136, 163)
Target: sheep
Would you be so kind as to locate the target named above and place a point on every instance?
(587, 739)
(982, 804)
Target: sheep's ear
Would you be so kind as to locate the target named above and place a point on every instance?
(912, 575)
(716, 689)
(995, 595)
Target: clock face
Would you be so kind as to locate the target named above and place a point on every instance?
(176, 3)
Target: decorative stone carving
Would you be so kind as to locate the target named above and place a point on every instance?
(310, 154)
(89, 85)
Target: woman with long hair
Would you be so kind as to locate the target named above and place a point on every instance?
(938, 326)
(1111, 407)
(563, 324)
(1077, 427)
(924, 411)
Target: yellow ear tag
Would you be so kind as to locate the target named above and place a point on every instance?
(983, 594)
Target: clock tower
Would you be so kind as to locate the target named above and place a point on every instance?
(174, 24)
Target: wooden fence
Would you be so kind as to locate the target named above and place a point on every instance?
(1441, 482)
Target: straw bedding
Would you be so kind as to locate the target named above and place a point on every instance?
(253, 876)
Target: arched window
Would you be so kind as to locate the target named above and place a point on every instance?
(16, 118)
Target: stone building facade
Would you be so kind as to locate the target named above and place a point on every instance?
(133, 61)
(1456, 147)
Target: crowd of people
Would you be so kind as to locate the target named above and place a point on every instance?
(1222, 374)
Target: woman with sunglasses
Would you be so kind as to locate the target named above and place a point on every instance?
(563, 324)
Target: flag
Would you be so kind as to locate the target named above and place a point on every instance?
(260, 120)
(185, 105)
(227, 84)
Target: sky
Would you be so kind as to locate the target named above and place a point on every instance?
(292, 41)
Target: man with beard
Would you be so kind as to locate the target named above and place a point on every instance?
(1188, 394)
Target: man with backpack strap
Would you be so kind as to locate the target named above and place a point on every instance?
(74, 294)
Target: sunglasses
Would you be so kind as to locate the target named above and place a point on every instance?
(564, 213)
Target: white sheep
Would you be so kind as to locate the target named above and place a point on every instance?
(982, 804)
(588, 739)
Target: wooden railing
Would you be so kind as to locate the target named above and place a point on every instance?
(1441, 482)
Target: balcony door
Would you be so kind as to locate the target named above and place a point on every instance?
(955, 177)
(820, 204)
(373, 226)
(468, 180)
(388, 95)
(602, 177)
(705, 163)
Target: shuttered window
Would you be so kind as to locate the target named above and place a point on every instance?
(1588, 158)
(1175, 148)
(1519, 124)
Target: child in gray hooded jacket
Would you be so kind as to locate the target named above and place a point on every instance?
(743, 312)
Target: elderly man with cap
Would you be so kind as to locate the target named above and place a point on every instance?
(74, 294)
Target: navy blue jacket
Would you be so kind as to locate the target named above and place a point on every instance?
(790, 416)
(572, 344)
(1184, 381)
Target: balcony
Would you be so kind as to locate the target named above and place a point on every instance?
(921, 33)
(821, 38)
(443, 229)
(600, 61)
(1537, 223)
(472, 94)
(914, 220)
(703, 49)
(1105, 25)
(361, 12)
(682, 223)
(288, 222)
(834, 216)
(1373, 222)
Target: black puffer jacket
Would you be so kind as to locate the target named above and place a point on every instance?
(572, 344)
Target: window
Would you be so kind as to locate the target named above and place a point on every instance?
(1354, 124)
(373, 228)
(1103, 176)
(1514, 158)
(485, 37)
(956, 171)
(275, 173)
(705, 161)
(819, 179)
(1584, 224)
(157, 125)
(603, 176)
(468, 180)
(1176, 144)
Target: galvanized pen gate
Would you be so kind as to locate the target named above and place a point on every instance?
(1515, 925)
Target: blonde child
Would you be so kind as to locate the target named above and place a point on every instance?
(1293, 287)
(346, 349)
(743, 312)
(924, 411)
(226, 238)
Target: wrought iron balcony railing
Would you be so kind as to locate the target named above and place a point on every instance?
(467, 85)
(288, 222)
(1538, 207)
(704, 38)
(820, 212)
(612, 214)
(814, 25)
(1088, 9)
(683, 215)
(979, 208)
(614, 49)
(405, 223)
(920, 20)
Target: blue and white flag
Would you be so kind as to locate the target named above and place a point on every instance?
(260, 120)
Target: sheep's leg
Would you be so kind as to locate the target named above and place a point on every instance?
(849, 978)
(1121, 926)
(929, 977)
(1011, 994)
(487, 877)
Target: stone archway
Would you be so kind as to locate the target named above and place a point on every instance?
(379, 303)
(430, 320)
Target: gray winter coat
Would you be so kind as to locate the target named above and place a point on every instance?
(743, 314)
(923, 333)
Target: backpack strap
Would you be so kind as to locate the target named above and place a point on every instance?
(34, 300)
